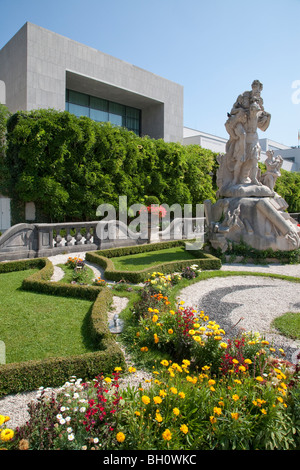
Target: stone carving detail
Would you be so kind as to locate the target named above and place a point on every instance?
(248, 207)
(273, 165)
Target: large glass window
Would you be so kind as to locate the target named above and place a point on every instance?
(102, 110)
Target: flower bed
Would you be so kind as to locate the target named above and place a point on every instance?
(206, 392)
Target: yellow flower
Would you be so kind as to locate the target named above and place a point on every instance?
(145, 399)
(144, 349)
(235, 361)
(259, 379)
(212, 419)
(248, 361)
(172, 312)
(2, 419)
(191, 332)
(217, 411)
(211, 382)
(167, 435)
(264, 412)
(120, 437)
(234, 416)
(131, 369)
(223, 345)
(118, 369)
(154, 318)
(158, 417)
(176, 411)
(242, 368)
(186, 362)
(170, 331)
(184, 429)
(164, 362)
(162, 393)
(156, 339)
(6, 435)
(137, 413)
(157, 400)
(181, 394)
(173, 390)
(107, 380)
(235, 397)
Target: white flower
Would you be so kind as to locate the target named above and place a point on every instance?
(96, 440)
(76, 395)
(63, 408)
(62, 421)
(69, 430)
(68, 419)
(82, 409)
(59, 416)
(71, 437)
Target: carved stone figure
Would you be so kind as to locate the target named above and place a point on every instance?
(273, 164)
(248, 208)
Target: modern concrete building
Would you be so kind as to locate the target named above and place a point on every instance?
(290, 155)
(42, 69)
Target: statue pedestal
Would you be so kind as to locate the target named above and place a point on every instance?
(261, 222)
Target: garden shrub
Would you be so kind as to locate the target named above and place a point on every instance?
(68, 166)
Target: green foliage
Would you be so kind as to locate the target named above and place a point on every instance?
(69, 166)
(288, 187)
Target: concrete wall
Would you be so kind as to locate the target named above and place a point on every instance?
(38, 65)
(13, 70)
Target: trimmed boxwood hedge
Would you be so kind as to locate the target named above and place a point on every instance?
(205, 261)
(53, 372)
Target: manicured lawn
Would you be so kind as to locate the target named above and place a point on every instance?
(145, 260)
(289, 325)
(37, 326)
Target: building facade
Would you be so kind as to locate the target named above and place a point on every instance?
(42, 69)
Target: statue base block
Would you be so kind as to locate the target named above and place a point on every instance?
(261, 222)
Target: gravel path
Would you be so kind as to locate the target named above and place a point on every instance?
(251, 301)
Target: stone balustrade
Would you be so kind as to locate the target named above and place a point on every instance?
(43, 240)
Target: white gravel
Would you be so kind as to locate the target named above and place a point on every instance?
(252, 302)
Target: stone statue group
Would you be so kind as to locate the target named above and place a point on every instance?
(248, 208)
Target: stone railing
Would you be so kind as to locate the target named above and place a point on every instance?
(43, 240)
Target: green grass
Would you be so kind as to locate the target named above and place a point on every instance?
(37, 326)
(68, 274)
(149, 259)
(288, 325)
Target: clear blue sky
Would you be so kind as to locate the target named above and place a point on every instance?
(214, 48)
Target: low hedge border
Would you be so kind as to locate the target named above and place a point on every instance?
(53, 372)
(205, 261)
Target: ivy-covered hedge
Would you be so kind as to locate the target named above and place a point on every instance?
(205, 261)
(53, 372)
(69, 166)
